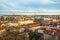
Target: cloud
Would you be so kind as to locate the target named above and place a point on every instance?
(41, 6)
(31, 11)
(15, 2)
(37, 1)
(28, 4)
(46, 2)
(2, 6)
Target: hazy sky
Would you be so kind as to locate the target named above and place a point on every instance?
(31, 5)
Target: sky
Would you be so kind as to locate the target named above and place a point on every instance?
(30, 5)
